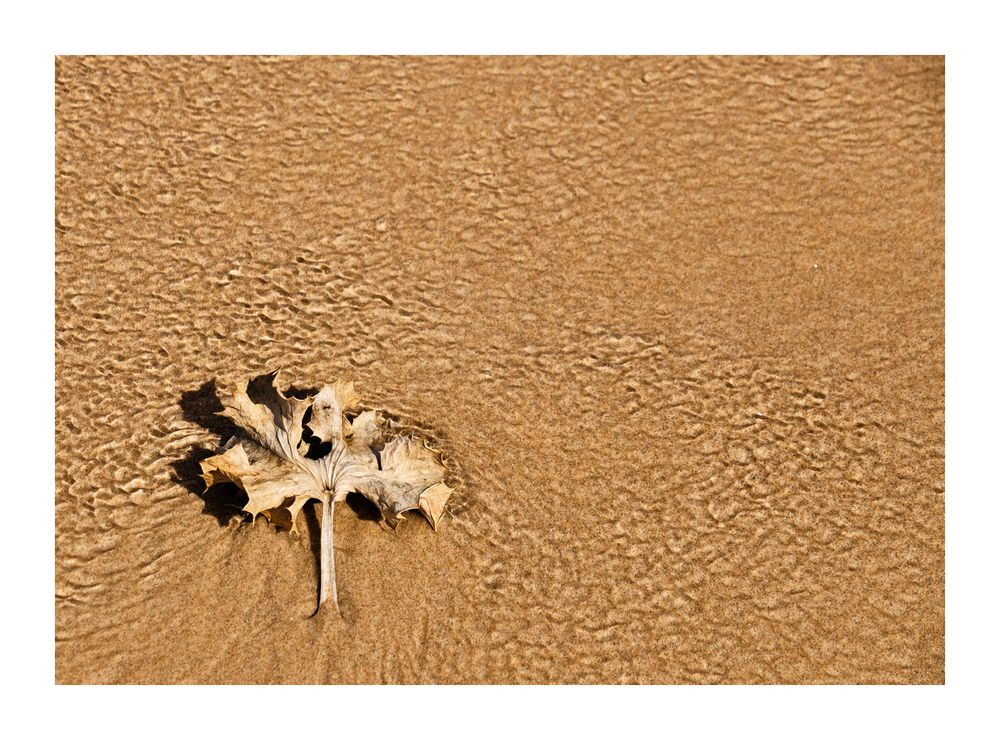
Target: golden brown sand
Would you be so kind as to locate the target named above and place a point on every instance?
(680, 321)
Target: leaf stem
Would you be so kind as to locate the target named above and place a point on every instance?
(328, 573)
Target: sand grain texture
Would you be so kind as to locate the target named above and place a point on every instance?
(679, 320)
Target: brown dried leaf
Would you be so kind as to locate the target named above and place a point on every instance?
(278, 469)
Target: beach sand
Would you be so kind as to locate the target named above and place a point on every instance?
(679, 323)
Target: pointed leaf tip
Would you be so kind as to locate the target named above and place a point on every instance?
(432, 502)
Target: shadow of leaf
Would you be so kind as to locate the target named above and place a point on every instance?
(200, 406)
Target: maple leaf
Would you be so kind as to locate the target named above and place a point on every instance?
(298, 449)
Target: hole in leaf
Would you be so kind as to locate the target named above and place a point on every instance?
(317, 447)
(258, 389)
(361, 506)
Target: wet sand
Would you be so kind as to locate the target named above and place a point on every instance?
(679, 323)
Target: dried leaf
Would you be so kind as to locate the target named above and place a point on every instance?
(284, 462)
(409, 471)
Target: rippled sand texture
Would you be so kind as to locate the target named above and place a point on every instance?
(680, 321)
